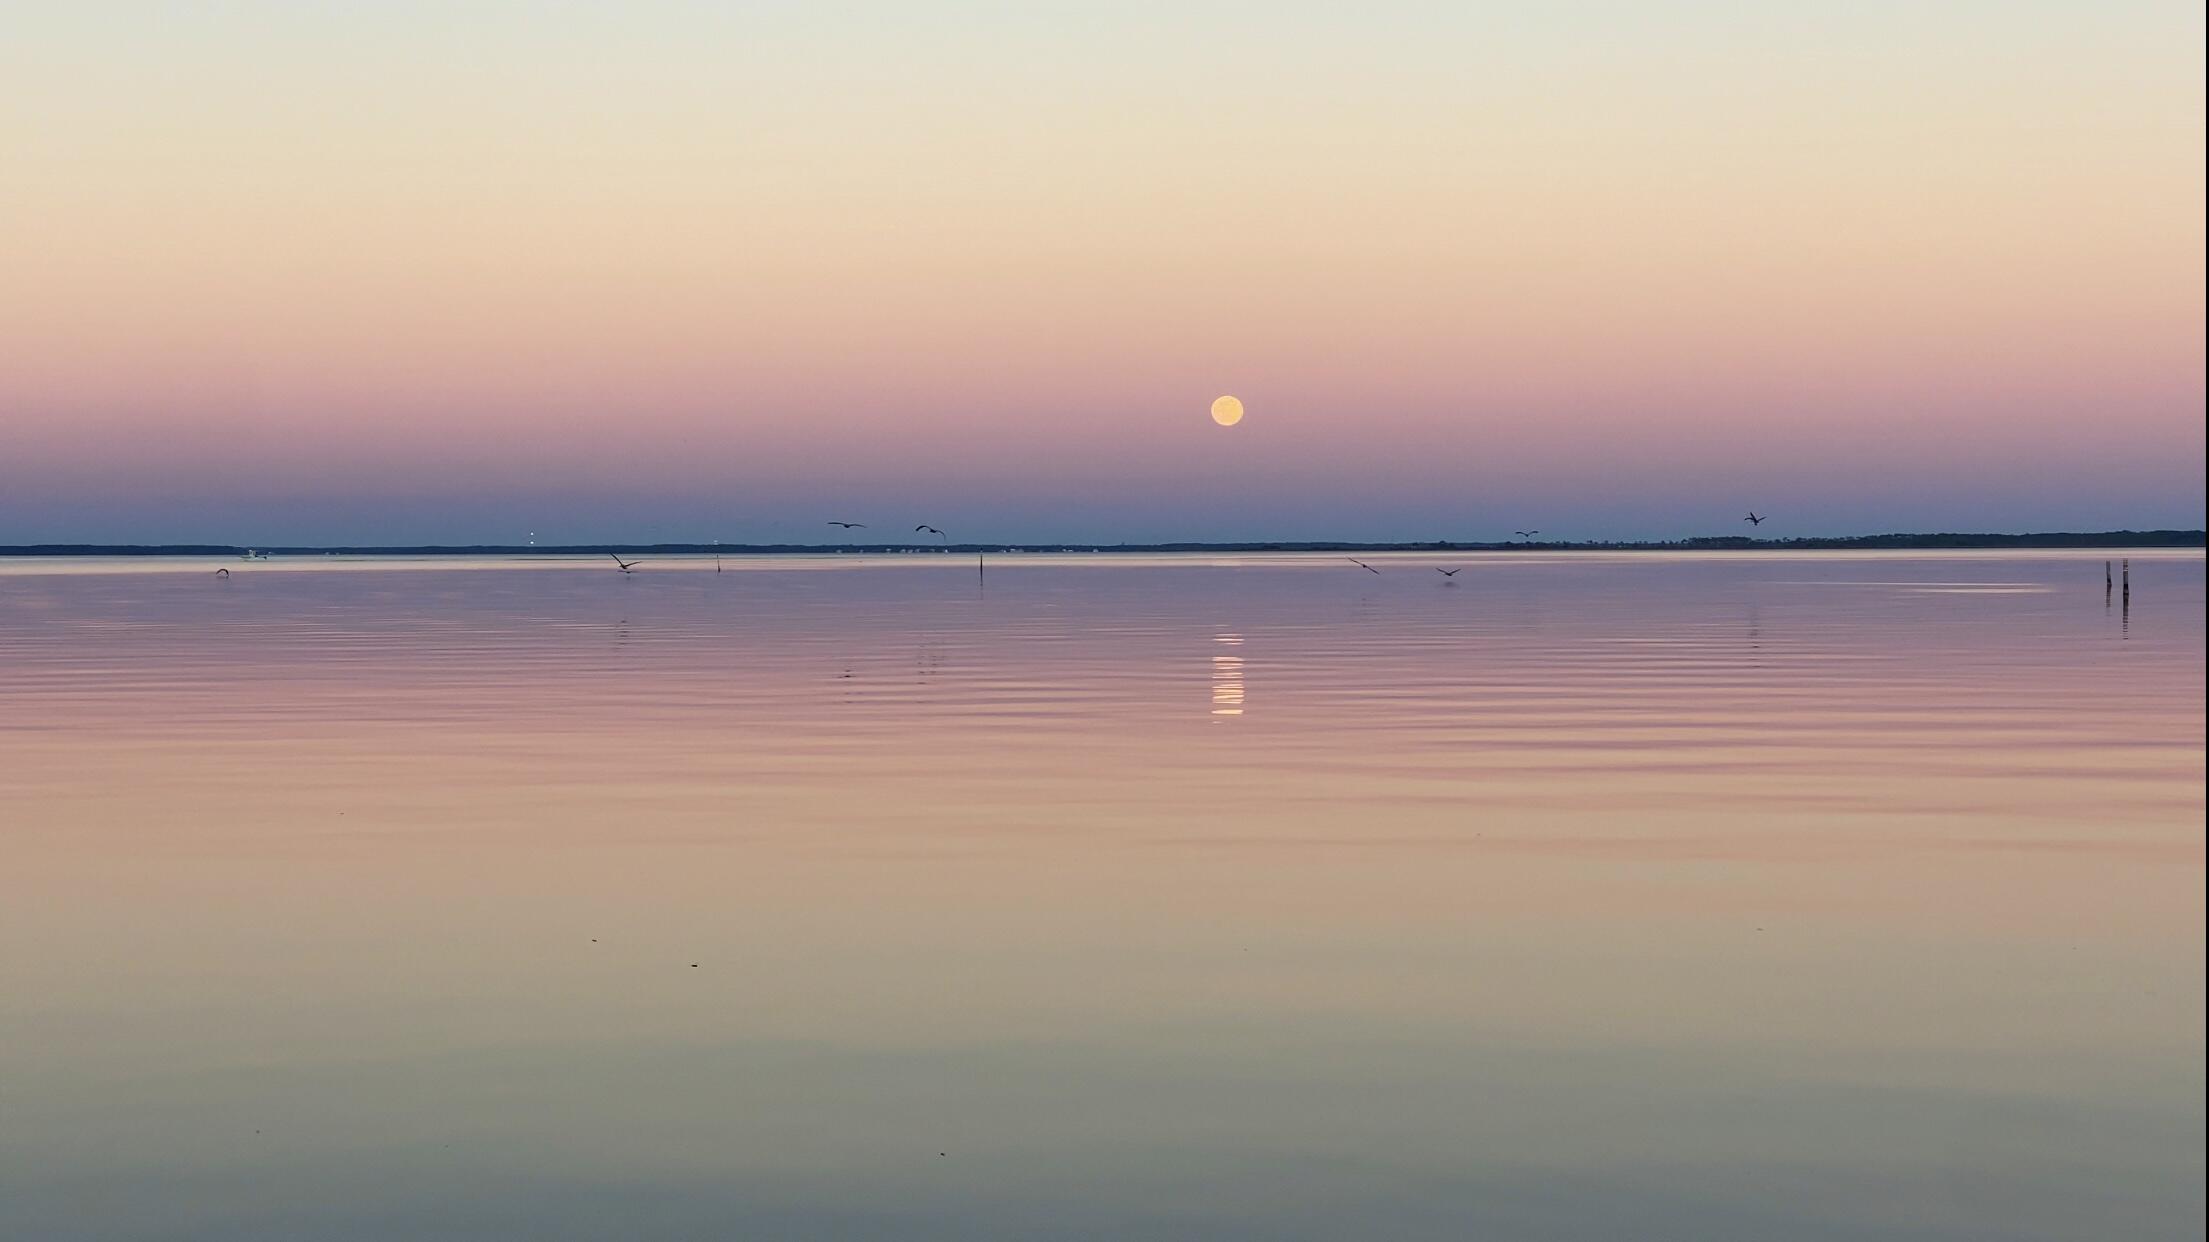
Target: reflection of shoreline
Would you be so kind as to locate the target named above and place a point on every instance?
(1227, 678)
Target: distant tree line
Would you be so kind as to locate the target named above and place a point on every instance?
(2052, 539)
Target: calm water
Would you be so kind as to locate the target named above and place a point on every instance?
(1727, 897)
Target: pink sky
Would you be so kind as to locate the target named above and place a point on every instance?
(396, 274)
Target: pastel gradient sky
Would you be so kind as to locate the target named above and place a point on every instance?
(455, 272)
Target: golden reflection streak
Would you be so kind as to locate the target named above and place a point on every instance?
(1227, 678)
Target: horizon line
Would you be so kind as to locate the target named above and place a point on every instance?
(2156, 538)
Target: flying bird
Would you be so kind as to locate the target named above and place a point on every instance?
(1447, 573)
(850, 525)
(930, 529)
(1361, 564)
(1526, 534)
(627, 567)
(1754, 518)
(222, 573)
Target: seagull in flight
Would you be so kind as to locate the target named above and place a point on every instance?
(1361, 564)
(627, 567)
(1447, 573)
(850, 525)
(1526, 534)
(1754, 518)
(931, 530)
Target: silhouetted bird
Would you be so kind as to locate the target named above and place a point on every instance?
(222, 573)
(931, 530)
(1361, 564)
(850, 525)
(1526, 534)
(1754, 518)
(1447, 573)
(627, 567)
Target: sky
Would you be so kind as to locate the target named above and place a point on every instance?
(398, 272)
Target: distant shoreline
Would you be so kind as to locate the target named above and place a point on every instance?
(1716, 543)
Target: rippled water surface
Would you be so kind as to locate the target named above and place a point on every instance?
(1576, 897)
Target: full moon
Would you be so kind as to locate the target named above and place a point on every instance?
(1227, 411)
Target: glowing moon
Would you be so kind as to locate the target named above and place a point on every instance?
(1227, 411)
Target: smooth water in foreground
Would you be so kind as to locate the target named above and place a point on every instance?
(1735, 896)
